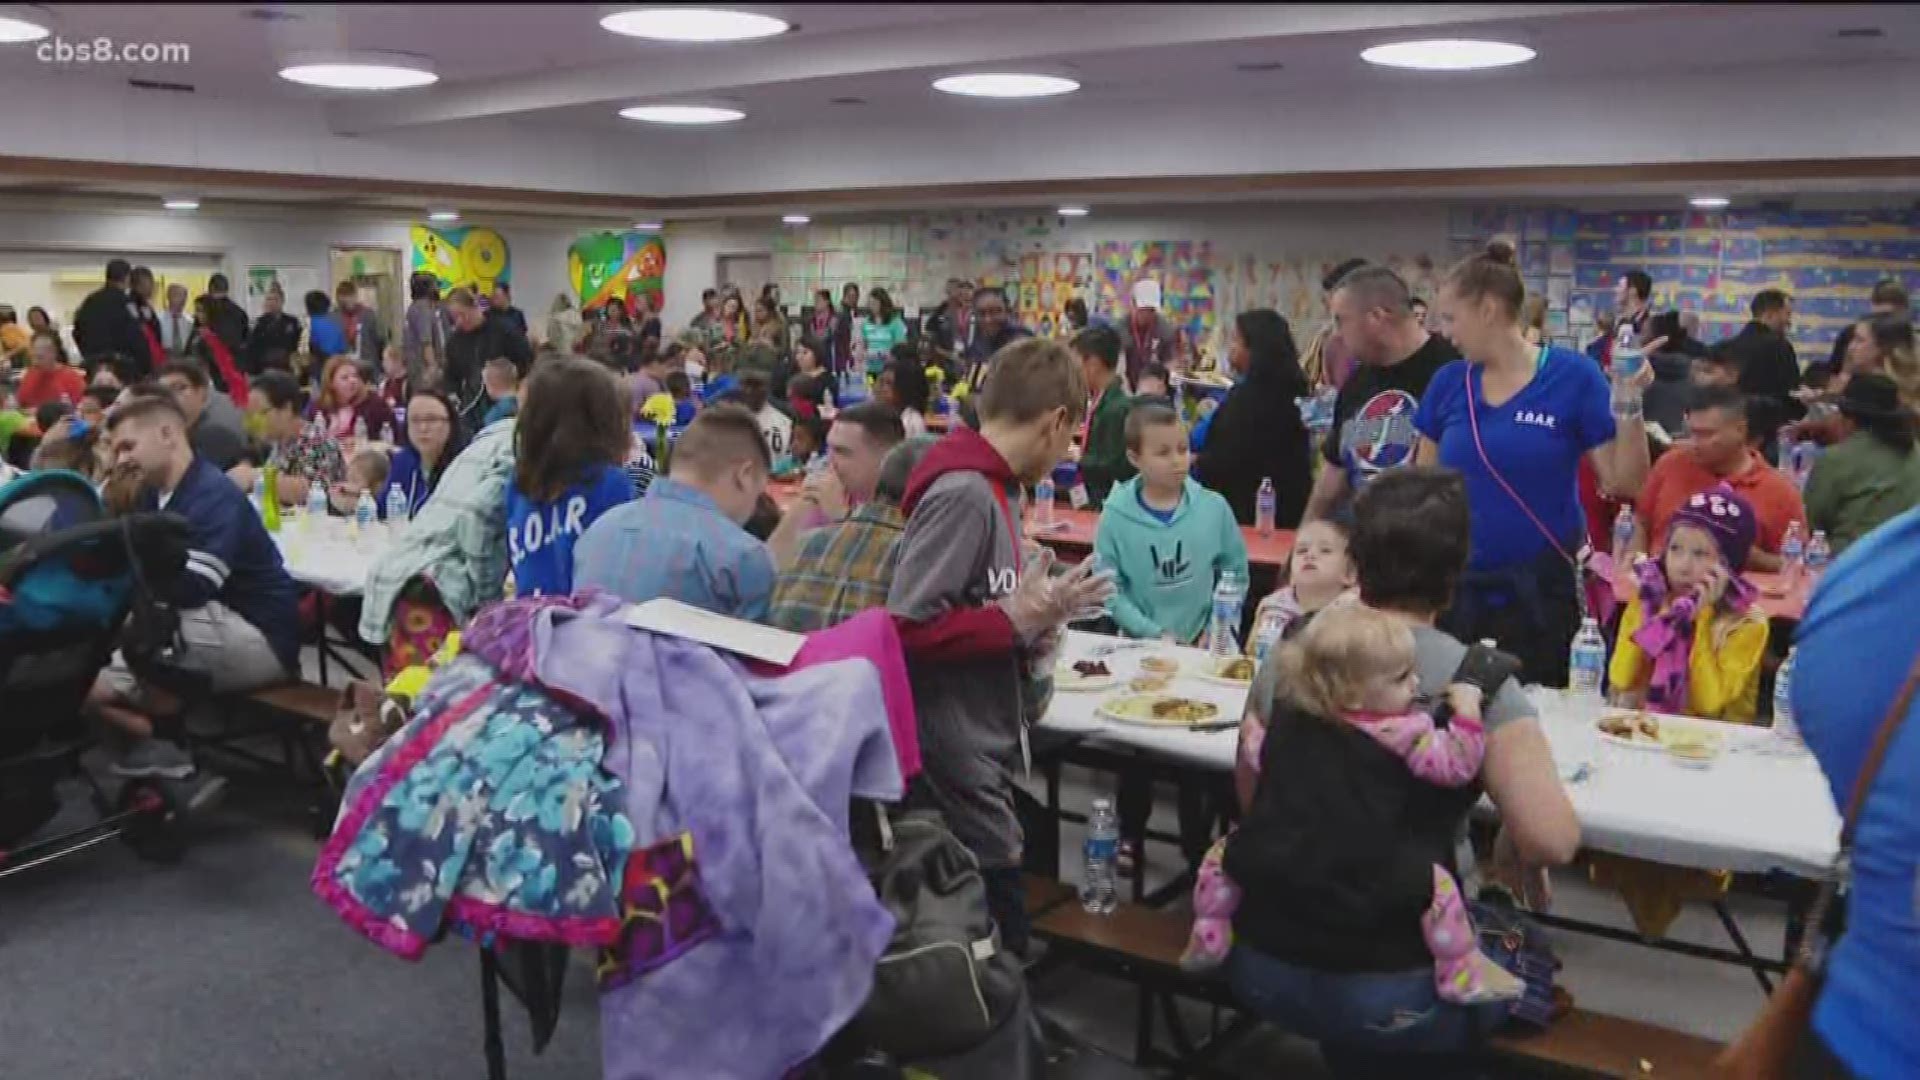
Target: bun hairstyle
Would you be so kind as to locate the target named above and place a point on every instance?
(1492, 273)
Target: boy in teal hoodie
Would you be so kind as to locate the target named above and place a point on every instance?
(1166, 537)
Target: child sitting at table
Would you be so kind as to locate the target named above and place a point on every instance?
(1691, 640)
(809, 439)
(1355, 666)
(1167, 538)
(570, 447)
(367, 471)
(1319, 571)
(680, 388)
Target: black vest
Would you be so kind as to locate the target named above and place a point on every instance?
(1335, 859)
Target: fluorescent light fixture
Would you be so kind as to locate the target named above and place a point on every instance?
(694, 24)
(1073, 211)
(796, 219)
(24, 22)
(443, 215)
(1709, 202)
(647, 226)
(360, 70)
(1447, 54)
(1005, 84)
(181, 202)
(682, 114)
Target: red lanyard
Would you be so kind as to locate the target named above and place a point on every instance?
(1013, 523)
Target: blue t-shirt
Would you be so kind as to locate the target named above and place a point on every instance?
(1856, 645)
(1164, 517)
(541, 535)
(1536, 439)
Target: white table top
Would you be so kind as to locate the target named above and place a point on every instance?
(1756, 809)
(329, 559)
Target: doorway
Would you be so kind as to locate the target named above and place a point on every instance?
(376, 273)
(748, 273)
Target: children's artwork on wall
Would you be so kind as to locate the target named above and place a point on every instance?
(470, 257)
(1184, 269)
(601, 266)
(1047, 281)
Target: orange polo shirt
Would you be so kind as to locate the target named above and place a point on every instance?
(1678, 476)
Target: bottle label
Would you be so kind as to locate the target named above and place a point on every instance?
(1098, 848)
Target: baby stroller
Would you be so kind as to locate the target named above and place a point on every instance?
(73, 584)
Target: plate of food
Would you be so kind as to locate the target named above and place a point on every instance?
(1159, 710)
(1635, 730)
(1237, 671)
(1085, 675)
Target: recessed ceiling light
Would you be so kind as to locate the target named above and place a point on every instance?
(796, 219)
(647, 226)
(1259, 66)
(1073, 211)
(1447, 54)
(1005, 84)
(180, 202)
(847, 101)
(694, 24)
(365, 71)
(24, 22)
(1709, 202)
(682, 114)
(443, 215)
(1860, 32)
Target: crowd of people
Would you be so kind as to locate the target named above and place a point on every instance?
(1467, 473)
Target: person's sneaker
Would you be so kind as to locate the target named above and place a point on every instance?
(153, 759)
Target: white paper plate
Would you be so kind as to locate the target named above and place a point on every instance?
(1067, 679)
(1205, 673)
(1106, 712)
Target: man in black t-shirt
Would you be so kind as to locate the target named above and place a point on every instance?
(1373, 415)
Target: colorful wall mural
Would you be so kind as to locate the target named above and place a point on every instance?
(471, 257)
(604, 265)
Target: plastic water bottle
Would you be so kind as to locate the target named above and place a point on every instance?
(1783, 723)
(259, 495)
(1819, 554)
(1626, 392)
(1224, 628)
(1793, 562)
(1265, 506)
(1043, 502)
(316, 505)
(364, 514)
(397, 507)
(1267, 629)
(1587, 665)
(1622, 536)
(1102, 851)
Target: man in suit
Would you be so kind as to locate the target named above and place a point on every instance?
(176, 325)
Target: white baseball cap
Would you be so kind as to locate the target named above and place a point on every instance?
(1146, 293)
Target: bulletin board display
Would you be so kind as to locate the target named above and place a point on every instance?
(469, 257)
(605, 265)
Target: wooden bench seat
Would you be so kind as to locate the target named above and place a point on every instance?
(1594, 1044)
(302, 699)
(1144, 944)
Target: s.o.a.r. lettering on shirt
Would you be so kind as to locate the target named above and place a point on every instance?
(1537, 419)
(562, 519)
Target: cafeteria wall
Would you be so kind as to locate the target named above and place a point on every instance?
(42, 235)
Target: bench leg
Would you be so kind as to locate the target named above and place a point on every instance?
(1740, 943)
(1143, 1028)
(490, 1014)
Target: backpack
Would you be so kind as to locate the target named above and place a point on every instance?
(944, 983)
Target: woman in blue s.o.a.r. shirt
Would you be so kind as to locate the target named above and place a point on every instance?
(1855, 649)
(1515, 420)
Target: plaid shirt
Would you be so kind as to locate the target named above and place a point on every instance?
(676, 543)
(840, 571)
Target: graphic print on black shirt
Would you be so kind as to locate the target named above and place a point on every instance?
(1373, 414)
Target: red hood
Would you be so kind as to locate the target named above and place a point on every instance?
(961, 451)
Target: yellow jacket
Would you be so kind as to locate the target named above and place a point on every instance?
(1723, 679)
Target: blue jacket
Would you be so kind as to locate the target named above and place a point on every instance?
(1166, 570)
(230, 558)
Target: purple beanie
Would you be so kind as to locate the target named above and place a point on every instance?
(1721, 513)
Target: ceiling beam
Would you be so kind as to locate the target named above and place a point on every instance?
(1890, 173)
(655, 73)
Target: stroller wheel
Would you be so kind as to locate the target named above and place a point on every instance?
(154, 831)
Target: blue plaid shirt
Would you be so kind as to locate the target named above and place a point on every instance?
(675, 542)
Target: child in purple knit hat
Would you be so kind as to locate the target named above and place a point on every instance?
(1691, 641)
